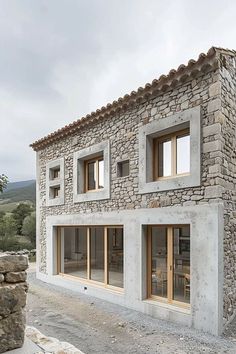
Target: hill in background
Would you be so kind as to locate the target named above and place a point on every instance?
(18, 192)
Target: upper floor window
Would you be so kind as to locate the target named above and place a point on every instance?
(55, 182)
(56, 173)
(170, 152)
(171, 155)
(91, 171)
(94, 174)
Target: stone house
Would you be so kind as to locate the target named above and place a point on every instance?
(136, 201)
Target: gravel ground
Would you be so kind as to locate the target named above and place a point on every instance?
(96, 326)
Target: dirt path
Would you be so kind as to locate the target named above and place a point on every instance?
(96, 326)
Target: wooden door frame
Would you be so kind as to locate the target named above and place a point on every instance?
(170, 267)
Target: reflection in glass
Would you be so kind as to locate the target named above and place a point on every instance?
(164, 159)
(97, 253)
(159, 261)
(181, 261)
(101, 174)
(183, 154)
(92, 175)
(75, 252)
(115, 256)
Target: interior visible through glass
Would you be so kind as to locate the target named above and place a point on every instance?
(183, 154)
(92, 175)
(164, 158)
(181, 261)
(75, 252)
(115, 256)
(97, 253)
(159, 261)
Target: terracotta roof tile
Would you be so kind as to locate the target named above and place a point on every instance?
(161, 84)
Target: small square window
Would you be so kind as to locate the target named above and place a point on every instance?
(123, 168)
(54, 192)
(55, 182)
(56, 173)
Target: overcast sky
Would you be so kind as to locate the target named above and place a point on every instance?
(62, 59)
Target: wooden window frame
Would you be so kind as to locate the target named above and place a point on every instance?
(173, 139)
(88, 280)
(170, 269)
(56, 191)
(56, 173)
(86, 175)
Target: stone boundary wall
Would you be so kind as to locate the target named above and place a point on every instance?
(13, 290)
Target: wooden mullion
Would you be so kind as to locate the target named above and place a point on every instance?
(149, 261)
(105, 256)
(58, 250)
(170, 264)
(97, 174)
(173, 156)
(88, 253)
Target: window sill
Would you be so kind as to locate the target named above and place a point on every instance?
(183, 308)
(92, 283)
(91, 195)
(170, 183)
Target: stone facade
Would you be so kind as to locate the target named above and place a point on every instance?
(13, 289)
(213, 90)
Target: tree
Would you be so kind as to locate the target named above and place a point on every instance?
(3, 182)
(7, 232)
(29, 228)
(20, 213)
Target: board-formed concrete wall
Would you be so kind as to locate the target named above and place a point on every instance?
(13, 289)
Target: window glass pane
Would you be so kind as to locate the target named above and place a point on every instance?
(123, 168)
(91, 175)
(115, 256)
(159, 261)
(97, 253)
(75, 252)
(181, 261)
(101, 173)
(183, 154)
(164, 158)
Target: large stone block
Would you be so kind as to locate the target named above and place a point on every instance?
(12, 298)
(13, 263)
(12, 331)
(214, 192)
(215, 89)
(211, 130)
(214, 105)
(15, 277)
(212, 146)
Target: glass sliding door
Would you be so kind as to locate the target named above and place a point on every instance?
(159, 261)
(97, 253)
(75, 252)
(169, 263)
(181, 262)
(94, 253)
(115, 255)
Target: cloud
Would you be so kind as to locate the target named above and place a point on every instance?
(62, 59)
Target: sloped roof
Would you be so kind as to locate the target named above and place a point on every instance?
(182, 74)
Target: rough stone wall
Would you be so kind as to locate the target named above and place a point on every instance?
(13, 289)
(226, 171)
(122, 131)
